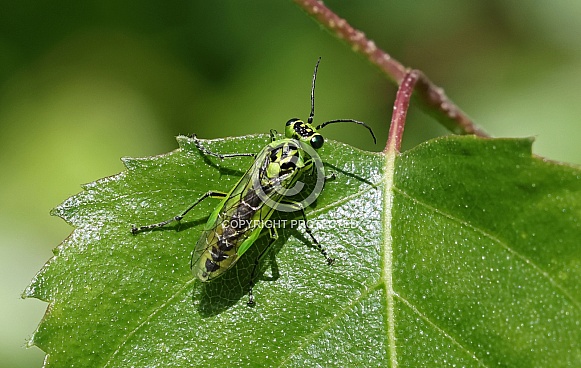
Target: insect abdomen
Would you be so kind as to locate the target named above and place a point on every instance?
(243, 213)
(217, 249)
(215, 252)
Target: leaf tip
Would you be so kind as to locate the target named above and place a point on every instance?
(32, 290)
(130, 163)
(57, 211)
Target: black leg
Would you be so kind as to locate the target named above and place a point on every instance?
(331, 176)
(310, 232)
(221, 156)
(135, 230)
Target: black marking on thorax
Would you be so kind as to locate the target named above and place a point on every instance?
(303, 130)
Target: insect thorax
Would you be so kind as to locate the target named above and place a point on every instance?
(285, 161)
(277, 169)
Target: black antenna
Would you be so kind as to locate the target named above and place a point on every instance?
(348, 121)
(312, 115)
(310, 121)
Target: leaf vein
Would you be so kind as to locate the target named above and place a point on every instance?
(147, 319)
(441, 330)
(502, 244)
(323, 327)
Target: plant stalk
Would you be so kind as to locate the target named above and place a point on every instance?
(433, 99)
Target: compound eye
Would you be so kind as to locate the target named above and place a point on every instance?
(317, 141)
(291, 121)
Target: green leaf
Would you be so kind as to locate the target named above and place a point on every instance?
(465, 252)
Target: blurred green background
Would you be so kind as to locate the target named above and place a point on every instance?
(85, 83)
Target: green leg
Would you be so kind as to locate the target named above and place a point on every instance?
(273, 134)
(135, 230)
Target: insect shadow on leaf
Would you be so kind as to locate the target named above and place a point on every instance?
(237, 226)
(222, 293)
(345, 173)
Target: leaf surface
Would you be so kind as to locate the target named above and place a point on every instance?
(476, 264)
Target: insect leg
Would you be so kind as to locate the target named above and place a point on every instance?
(310, 232)
(331, 176)
(135, 230)
(273, 237)
(221, 156)
(273, 134)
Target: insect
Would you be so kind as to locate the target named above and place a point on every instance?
(268, 185)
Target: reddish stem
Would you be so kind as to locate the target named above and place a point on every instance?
(400, 109)
(434, 99)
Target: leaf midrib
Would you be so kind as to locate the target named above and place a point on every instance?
(387, 266)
